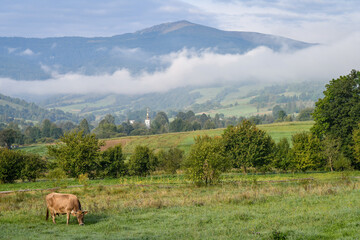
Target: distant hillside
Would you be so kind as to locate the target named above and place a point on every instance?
(232, 100)
(15, 108)
(35, 58)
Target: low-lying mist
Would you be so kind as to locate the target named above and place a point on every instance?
(189, 68)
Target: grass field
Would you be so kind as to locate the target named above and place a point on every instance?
(184, 140)
(320, 206)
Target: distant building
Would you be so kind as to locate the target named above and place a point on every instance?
(147, 120)
(131, 122)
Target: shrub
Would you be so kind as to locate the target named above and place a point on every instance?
(142, 161)
(33, 167)
(248, 146)
(306, 152)
(112, 162)
(282, 159)
(11, 163)
(206, 160)
(170, 160)
(77, 153)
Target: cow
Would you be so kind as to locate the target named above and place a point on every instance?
(58, 203)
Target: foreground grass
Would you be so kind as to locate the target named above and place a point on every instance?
(250, 208)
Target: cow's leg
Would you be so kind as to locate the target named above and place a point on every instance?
(67, 218)
(53, 217)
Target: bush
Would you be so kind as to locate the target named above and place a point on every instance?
(34, 166)
(307, 152)
(206, 160)
(77, 153)
(112, 163)
(248, 146)
(282, 159)
(11, 163)
(16, 164)
(142, 161)
(170, 160)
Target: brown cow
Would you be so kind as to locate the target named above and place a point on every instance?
(58, 203)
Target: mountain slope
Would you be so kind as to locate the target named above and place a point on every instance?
(35, 59)
(11, 108)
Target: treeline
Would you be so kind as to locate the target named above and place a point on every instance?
(19, 133)
(47, 132)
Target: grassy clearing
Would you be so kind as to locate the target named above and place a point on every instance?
(323, 208)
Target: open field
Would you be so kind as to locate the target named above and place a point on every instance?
(320, 206)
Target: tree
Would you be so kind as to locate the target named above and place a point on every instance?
(248, 146)
(331, 150)
(142, 161)
(84, 126)
(278, 113)
(170, 160)
(11, 163)
(112, 162)
(305, 114)
(338, 113)
(77, 153)
(106, 127)
(7, 137)
(177, 125)
(206, 160)
(356, 139)
(46, 128)
(307, 152)
(161, 123)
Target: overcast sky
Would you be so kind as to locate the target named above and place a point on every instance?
(307, 20)
(334, 24)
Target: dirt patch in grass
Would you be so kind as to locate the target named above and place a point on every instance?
(113, 142)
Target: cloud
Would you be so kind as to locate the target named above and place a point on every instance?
(311, 21)
(188, 68)
(27, 52)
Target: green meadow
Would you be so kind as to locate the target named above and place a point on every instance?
(273, 206)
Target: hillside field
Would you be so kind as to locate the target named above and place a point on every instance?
(184, 140)
(274, 206)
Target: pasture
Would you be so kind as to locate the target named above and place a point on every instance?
(273, 206)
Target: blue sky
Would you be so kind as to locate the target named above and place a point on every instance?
(307, 20)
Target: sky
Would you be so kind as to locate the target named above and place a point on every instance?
(333, 24)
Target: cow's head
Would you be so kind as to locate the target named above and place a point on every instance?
(79, 215)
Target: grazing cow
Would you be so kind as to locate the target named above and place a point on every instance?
(58, 203)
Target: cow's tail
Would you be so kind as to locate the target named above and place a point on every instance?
(47, 214)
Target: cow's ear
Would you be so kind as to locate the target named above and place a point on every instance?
(73, 212)
(85, 212)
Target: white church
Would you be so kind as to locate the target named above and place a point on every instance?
(147, 120)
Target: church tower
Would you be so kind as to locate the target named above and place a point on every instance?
(147, 120)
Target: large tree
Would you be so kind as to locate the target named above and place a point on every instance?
(338, 113)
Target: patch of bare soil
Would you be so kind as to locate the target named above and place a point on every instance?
(114, 142)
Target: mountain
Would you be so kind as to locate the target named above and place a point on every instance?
(36, 58)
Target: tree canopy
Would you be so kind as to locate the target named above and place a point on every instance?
(338, 112)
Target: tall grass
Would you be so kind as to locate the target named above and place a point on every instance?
(320, 206)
